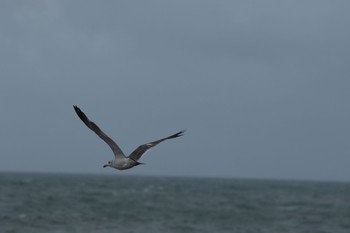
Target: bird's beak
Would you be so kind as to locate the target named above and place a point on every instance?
(105, 165)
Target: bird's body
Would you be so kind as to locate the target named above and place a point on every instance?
(121, 162)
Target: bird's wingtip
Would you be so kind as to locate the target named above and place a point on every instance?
(77, 109)
(179, 134)
(182, 132)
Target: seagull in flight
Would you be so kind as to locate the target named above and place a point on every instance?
(121, 162)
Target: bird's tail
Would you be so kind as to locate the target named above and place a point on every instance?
(138, 163)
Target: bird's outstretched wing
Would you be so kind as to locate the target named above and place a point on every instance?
(118, 153)
(139, 151)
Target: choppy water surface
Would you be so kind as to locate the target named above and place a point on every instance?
(90, 203)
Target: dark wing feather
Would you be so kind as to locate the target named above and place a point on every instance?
(139, 151)
(91, 125)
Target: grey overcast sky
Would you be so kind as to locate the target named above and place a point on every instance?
(262, 87)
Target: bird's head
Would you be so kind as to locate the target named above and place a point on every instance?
(109, 164)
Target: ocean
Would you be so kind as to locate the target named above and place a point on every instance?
(62, 203)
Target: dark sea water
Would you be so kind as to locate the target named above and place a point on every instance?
(90, 203)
